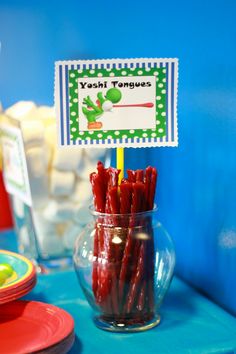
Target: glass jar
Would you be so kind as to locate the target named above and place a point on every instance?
(53, 210)
(124, 264)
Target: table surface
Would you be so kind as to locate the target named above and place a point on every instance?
(190, 323)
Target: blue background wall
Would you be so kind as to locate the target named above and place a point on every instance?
(196, 190)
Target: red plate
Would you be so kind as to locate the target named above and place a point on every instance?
(30, 326)
(17, 293)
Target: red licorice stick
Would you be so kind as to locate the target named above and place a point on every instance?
(128, 261)
(114, 203)
(134, 208)
(112, 207)
(145, 105)
(139, 175)
(107, 207)
(139, 250)
(141, 297)
(104, 279)
(112, 181)
(136, 280)
(113, 176)
(125, 265)
(126, 189)
(102, 171)
(99, 204)
(103, 289)
(109, 276)
(99, 185)
(118, 236)
(152, 189)
(98, 192)
(148, 174)
(131, 175)
(114, 200)
(138, 196)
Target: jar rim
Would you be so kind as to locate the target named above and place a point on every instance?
(141, 213)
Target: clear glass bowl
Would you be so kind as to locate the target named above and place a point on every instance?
(59, 191)
(124, 264)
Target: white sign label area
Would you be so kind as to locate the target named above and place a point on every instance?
(15, 168)
(117, 116)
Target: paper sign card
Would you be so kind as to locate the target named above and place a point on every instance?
(15, 168)
(117, 103)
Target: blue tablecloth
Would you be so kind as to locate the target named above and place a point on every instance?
(190, 323)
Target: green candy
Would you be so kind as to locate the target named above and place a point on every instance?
(6, 272)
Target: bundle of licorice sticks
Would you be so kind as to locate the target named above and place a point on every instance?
(123, 267)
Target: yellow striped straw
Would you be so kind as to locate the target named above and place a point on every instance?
(120, 162)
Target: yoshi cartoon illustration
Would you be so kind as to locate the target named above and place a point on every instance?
(93, 111)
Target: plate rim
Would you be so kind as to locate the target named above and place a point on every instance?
(63, 331)
(12, 296)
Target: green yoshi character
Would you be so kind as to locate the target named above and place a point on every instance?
(93, 111)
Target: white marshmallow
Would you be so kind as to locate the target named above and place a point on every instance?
(24, 239)
(91, 157)
(33, 132)
(82, 214)
(50, 135)
(18, 207)
(48, 241)
(47, 115)
(49, 155)
(36, 158)
(46, 112)
(95, 154)
(62, 183)
(61, 228)
(83, 191)
(67, 158)
(21, 110)
(70, 235)
(86, 168)
(59, 211)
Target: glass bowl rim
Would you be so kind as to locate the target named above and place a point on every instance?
(141, 213)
